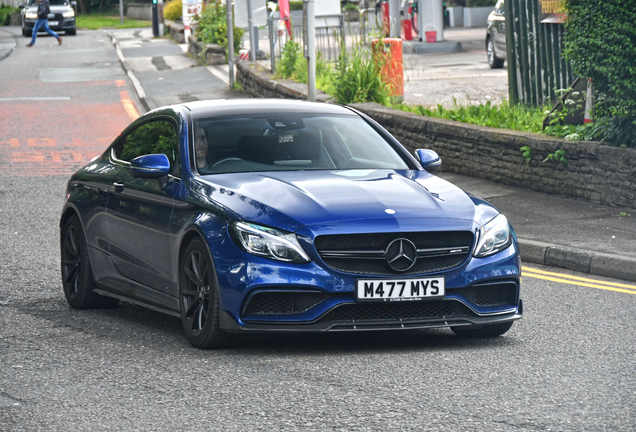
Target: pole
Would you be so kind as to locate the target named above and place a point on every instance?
(121, 11)
(251, 29)
(394, 17)
(311, 50)
(155, 19)
(230, 42)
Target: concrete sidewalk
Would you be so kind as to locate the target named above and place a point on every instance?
(552, 230)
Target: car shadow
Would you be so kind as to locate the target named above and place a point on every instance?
(129, 323)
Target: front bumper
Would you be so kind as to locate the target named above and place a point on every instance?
(66, 24)
(335, 321)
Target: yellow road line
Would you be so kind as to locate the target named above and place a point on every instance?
(563, 278)
(128, 104)
(566, 276)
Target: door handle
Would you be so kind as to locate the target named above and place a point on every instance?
(119, 186)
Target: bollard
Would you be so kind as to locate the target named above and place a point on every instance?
(390, 52)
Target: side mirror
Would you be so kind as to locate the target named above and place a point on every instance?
(74, 4)
(429, 159)
(152, 166)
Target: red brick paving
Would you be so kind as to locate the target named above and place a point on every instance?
(39, 138)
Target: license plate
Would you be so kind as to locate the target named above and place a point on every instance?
(400, 289)
(53, 23)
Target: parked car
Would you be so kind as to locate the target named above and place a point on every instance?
(496, 36)
(61, 18)
(277, 215)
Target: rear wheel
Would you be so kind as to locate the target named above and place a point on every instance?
(491, 330)
(199, 299)
(493, 61)
(77, 275)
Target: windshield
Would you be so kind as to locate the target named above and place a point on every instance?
(289, 142)
(51, 2)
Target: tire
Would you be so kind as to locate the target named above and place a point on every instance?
(71, 32)
(493, 61)
(492, 330)
(199, 299)
(77, 275)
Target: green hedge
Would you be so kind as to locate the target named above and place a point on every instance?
(212, 26)
(600, 43)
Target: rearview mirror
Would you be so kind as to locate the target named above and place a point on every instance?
(429, 159)
(151, 166)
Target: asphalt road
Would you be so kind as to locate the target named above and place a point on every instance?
(568, 365)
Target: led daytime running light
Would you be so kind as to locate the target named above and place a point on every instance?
(270, 243)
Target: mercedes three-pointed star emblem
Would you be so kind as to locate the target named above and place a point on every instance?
(401, 254)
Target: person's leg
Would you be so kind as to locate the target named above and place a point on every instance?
(45, 26)
(36, 28)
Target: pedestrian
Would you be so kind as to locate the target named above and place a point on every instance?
(43, 22)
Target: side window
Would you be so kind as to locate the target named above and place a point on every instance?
(150, 138)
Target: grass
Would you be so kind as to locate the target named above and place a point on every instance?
(519, 117)
(96, 22)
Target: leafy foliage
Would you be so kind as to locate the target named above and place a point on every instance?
(526, 152)
(5, 14)
(600, 43)
(173, 10)
(212, 27)
(358, 77)
(354, 78)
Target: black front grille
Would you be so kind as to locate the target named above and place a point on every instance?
(398, 311)
(351, 243)
(494, 294)
(281, 302)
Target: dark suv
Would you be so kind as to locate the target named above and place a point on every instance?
(496, 36)
(61, 18)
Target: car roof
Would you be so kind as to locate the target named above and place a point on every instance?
(215, 108)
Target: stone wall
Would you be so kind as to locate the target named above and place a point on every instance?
(259, 83)
(140, 11)
(209, 54)
(595, 171)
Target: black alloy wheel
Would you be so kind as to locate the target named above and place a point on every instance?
(199, 299)
(490, 330)
(493, 61)
(77, 275)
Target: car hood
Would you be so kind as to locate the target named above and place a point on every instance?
(54, 9)
(290, 200)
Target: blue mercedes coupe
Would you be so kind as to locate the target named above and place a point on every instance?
(277, 215)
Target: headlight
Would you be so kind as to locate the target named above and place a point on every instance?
(69, 14)
(270, 243)
(493, 237)
(31, 15)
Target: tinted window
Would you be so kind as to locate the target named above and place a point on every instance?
(290, 142)
(150, 138)
(51, 2)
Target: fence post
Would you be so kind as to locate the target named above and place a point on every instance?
(511, 48)
(230, 42)
(311, 50)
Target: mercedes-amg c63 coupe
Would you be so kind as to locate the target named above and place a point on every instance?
(277, 216)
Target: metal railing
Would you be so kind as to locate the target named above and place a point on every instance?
(330, 32)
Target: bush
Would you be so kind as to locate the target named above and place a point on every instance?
(5, 14)
(600, 43)
(358, 78)
(173, 10)
(505, 116)
(212, 26)
(295, 5)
